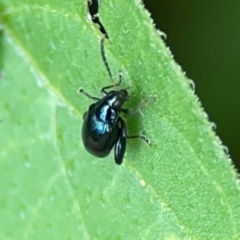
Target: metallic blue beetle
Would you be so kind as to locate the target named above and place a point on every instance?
(103, 127)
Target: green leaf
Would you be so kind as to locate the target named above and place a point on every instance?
(182, 187)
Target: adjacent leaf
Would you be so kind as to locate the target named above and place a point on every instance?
(182, 187)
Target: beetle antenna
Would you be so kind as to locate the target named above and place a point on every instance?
(105, 59)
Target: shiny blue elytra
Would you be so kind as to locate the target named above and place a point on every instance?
(103, 127)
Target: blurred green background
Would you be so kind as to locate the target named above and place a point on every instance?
(204, 37)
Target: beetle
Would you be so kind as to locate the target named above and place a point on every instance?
(103, 127)
(93, 6)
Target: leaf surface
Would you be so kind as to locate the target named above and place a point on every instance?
(182, 187)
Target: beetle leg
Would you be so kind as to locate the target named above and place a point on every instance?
(144, 138)
(120, 146)
(88, 95)
(103, 90)
(139, 106)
